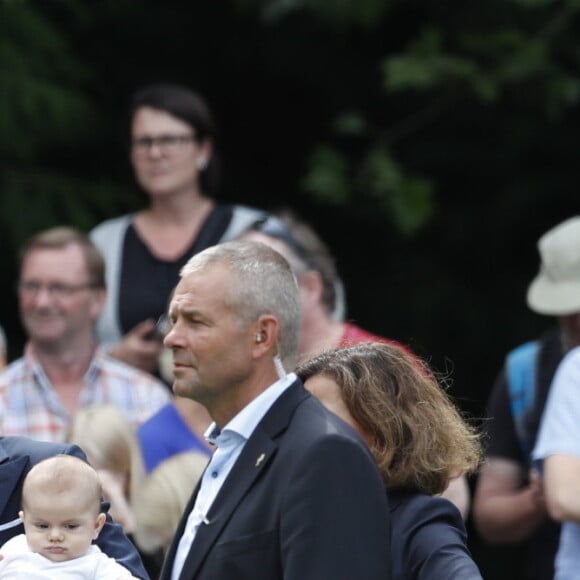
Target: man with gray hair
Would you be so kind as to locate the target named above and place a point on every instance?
(291, 491)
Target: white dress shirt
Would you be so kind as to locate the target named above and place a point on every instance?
(230, 443)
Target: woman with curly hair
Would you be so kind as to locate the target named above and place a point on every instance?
(419, 441)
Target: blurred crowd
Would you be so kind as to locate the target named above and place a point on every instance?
(97, 371)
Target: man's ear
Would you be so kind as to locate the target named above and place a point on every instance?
(312, 286)
(264, 335)
(99, 298)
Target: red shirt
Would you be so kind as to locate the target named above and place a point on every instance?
(354, 334)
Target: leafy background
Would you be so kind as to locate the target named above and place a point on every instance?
(430, 144)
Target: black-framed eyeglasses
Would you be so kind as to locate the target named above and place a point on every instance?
(166, 143)
(57, 290)
(276, 228)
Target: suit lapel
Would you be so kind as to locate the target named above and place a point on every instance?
(255, 458)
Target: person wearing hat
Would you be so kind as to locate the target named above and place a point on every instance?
(509, 505)
(557, 450)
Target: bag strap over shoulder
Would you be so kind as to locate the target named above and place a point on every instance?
(521, 370)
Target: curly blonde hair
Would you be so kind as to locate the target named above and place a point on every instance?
(415, 433)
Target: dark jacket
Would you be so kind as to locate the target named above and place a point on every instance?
(313, 508)
(428, 539)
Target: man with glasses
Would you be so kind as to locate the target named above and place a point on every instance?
(61, 292)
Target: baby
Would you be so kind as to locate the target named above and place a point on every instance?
(61, 501)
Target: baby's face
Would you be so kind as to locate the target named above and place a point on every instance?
(58, 526)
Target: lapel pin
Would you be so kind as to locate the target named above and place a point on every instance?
(260, 459)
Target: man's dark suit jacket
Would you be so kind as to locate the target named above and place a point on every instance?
(17, 456)
(304, 501)
(429, 541)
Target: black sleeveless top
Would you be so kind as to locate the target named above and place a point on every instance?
(147, 282)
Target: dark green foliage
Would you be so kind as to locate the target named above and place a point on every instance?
(440, 136)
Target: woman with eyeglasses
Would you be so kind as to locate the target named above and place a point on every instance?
(419, 442)
(172, 152)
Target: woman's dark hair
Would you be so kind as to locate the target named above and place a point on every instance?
(189, 107)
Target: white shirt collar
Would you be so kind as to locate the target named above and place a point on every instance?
(248, 418)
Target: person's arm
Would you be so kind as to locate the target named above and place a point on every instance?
(558, 444)
(562, 483)
(504, 510)
(335, 518)
(507, 507)
(457, 493)
(430, 539)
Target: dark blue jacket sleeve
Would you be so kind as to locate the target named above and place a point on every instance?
(429, 541)
(336, 517)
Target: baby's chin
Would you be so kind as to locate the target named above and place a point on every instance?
(57, 554)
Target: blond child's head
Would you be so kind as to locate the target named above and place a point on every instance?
(61, 507)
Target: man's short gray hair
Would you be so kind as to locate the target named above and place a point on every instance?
(263, 284)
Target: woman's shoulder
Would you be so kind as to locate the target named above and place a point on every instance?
(111, 226)
(428, 539)
(243, 216)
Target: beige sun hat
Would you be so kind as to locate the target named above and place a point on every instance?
(556, 288)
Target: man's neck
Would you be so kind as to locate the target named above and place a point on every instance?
(169, 229)
(194, 414)
(64, 364)
(224, 408)
(65, 368)
(178, 210)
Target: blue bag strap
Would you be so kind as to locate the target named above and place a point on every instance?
(521, 370)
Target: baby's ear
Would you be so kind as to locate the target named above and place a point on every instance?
(99, 523)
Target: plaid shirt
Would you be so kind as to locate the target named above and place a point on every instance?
(29, 404)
